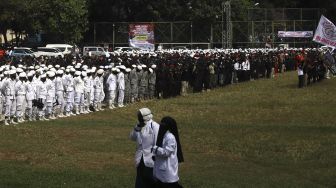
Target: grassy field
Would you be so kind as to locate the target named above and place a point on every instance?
(264, 133)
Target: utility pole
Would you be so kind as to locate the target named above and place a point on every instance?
(228, 24)
(227, 40)
(94, 33)
(113, 37)
(223, 10)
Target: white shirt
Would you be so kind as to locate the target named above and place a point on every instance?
(20, 88)
(35, 84)
(121, 81)
(30, 95)
(41, 90)
(300, 72)
(87, 85)
(59, 84)
(79, 84)
(111, 82)
(145, 141)
(166, 162)
(236, 66)
(97, 84)
(8, 88)
(51, 91)
(68, 83)
(246, 65)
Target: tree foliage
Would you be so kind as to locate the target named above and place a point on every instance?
(163, 10)
(66, 20)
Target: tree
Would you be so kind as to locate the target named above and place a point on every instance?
(5, 16)
(61, 20)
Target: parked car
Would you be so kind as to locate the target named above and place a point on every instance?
(48, 52)
(22, 52)
(64, 48)
(95, 51)
(126, 49)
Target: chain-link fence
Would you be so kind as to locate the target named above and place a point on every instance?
(260, 25)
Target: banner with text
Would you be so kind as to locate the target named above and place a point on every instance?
(295, 34)
(141, 35)
(325, 33)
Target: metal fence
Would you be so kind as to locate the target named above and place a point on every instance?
(260, 25)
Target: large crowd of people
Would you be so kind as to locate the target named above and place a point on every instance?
(48, 88)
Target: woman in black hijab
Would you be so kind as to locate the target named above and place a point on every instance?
(168, 153)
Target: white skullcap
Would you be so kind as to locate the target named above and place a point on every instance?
(150, 70)
(139, 67)
(30, 74)
(84, 74)
(57, 66)
(43, 76)
(128, 70)
(134, 66)
(19, 70)
(118, 70)
(146, 114)
(50, 74)
(77, 73)
(50, 66)
(22, 75)
(153, 66)
(59, 72)
(100, 71)
(122, 67)
(143, 66)
(12, 72)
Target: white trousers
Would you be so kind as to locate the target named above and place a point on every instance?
(10, 106)
(121, 96)
(69, 101)
(20, 105)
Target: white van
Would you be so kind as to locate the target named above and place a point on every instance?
(95, 51)
(64, 48)
(49, 52)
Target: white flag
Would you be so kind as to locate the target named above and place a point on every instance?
(325, 33)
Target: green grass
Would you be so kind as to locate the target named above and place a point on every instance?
(264, 133)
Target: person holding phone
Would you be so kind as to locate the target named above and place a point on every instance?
(145, 135)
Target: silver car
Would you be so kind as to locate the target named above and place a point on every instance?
(22, 52)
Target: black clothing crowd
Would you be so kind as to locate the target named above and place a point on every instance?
(179, 72)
